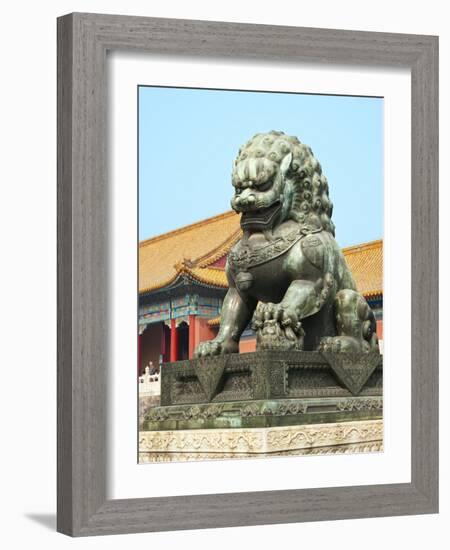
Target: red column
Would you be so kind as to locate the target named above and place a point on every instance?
(380, 328)
(191, 336)
(173, 341)
(163, 341)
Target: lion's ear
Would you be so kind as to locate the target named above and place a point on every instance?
(286, 164)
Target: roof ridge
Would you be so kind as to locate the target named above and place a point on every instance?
(223, 248)
(185, 228)
(180, 269)
(377, 243)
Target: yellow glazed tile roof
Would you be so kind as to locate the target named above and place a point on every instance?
(366, 263)
(161, 258)
(214, 322)
(210, 275)
(192, 249)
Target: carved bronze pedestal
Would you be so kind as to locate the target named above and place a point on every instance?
(268, 388)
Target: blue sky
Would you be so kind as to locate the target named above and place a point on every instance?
(188, 139)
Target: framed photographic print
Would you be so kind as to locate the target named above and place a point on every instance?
(247, 274)
(193, 284)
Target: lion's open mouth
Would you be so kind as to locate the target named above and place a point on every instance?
(260, 219)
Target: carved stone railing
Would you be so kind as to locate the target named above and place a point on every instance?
(149, 384)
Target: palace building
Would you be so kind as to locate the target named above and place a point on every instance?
(182, 284)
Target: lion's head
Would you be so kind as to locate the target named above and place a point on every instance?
(277, 178)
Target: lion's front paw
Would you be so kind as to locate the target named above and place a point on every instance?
(215, 347)
(282, 314)
(277, 327)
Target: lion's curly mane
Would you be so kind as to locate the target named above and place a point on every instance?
(306, 189)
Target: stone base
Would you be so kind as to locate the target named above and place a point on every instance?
(313, 439)
(146, 403)
(263, 413)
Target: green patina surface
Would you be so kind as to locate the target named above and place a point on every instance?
(271, 374)
(287, 274)
(263, 413)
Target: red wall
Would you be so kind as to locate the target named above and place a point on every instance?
(203, 331)
(247, 345)
(380, 329)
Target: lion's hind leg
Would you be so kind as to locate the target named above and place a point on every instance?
(355, 325)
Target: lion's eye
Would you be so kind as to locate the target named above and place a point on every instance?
(265, 186)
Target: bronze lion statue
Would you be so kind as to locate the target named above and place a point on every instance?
(287, 274)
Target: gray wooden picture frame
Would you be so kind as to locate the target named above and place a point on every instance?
(83, 212)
